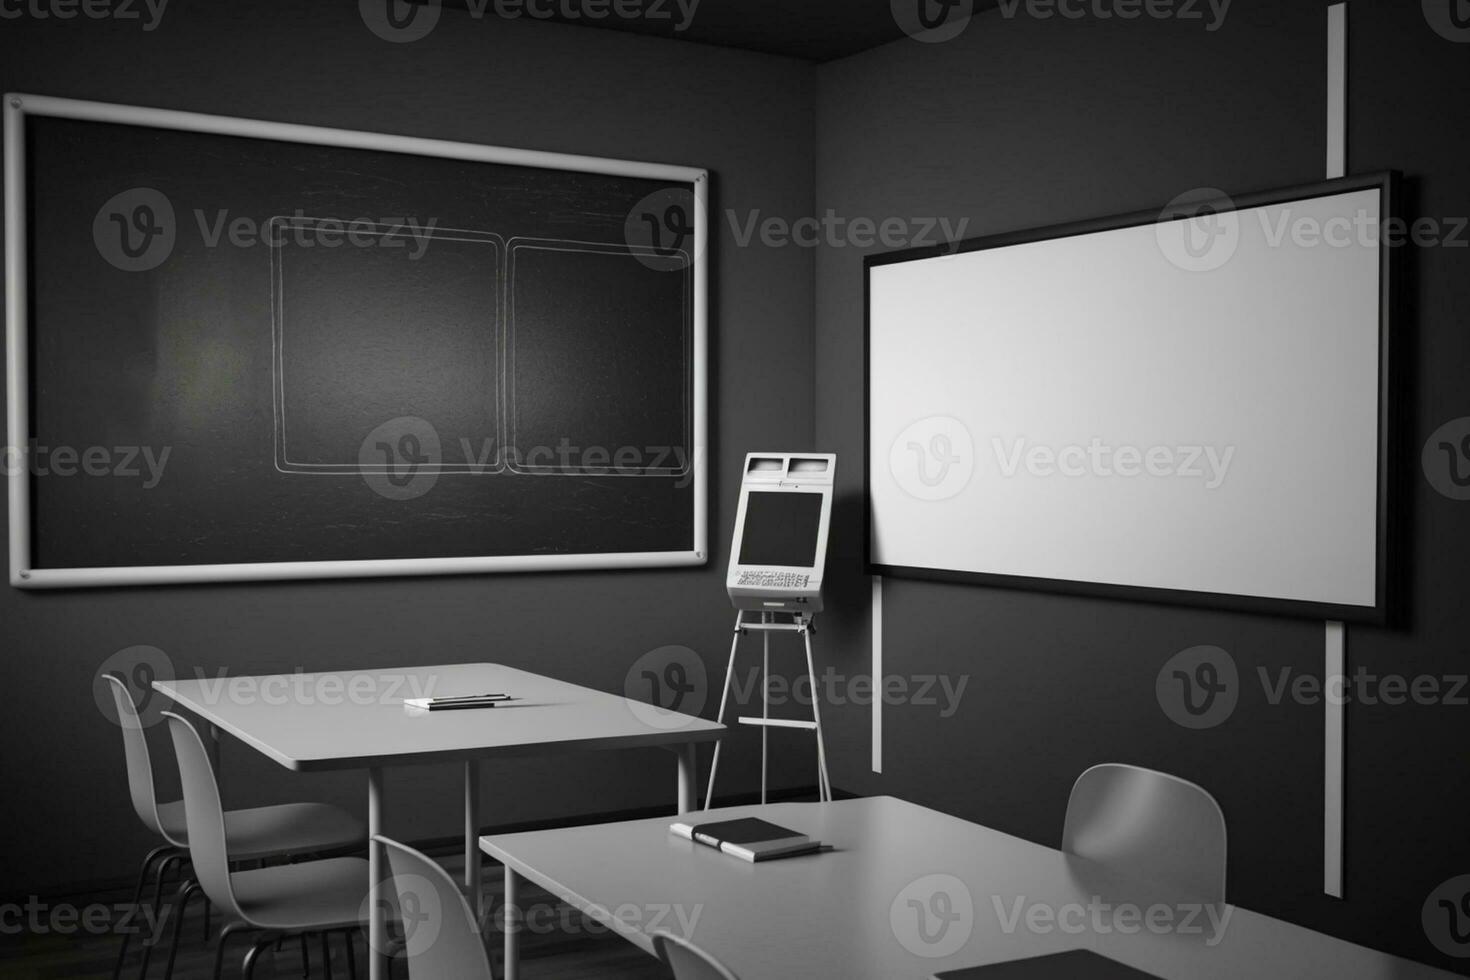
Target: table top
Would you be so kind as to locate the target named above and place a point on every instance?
(906, 893)
(357, 719)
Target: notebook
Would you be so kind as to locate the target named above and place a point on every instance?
(457, 702)
(750, 838)
(1078, 964)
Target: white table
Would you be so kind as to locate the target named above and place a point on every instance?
(357, 720)
(846, 913)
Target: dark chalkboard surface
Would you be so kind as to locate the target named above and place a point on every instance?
(353, 355)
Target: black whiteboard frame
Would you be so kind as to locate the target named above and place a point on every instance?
(23, 574)
(1381, 612)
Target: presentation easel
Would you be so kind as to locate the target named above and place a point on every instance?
(800, 623)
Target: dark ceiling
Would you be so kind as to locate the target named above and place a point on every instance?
(816, 30)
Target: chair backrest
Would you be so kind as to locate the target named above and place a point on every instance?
(439, 928)
(1150, 825)
(688, 961)
(204, 816)
(139, 762)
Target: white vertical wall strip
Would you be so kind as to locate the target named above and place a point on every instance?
(877, 672)
(1334, 672)
(1337, 90)
(1334, 679)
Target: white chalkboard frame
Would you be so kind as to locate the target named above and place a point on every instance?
(19, 106)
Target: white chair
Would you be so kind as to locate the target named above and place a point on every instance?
(688, 961)
(439, 930)
(1152, 826)
(320, 896)
(253, 834)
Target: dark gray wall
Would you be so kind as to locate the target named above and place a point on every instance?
(748, 118)
(1020, 123)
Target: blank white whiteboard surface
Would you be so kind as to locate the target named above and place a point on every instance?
(1191, 406)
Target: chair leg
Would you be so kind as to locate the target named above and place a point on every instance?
(207, 909)
(219, 949)
(327, 955)
(349, 939)
(131, 915)
(171, 861)
(180, 906)
(247, 968)
(305, 957)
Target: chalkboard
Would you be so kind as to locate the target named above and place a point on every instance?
(252, 350)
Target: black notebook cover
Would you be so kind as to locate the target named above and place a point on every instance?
(1079, 964)
(750, 830)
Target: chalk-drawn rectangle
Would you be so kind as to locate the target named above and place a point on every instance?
(597, 378)
(377, 322)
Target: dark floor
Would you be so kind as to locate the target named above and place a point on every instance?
(569, 948)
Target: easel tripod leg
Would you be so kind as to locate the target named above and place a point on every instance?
(724, 699)
(824, 783)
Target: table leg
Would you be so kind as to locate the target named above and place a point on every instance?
(511, 925)
(472, 871)
(377, 864)
(688, 766)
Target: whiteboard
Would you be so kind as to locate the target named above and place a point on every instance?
(1190, 407)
